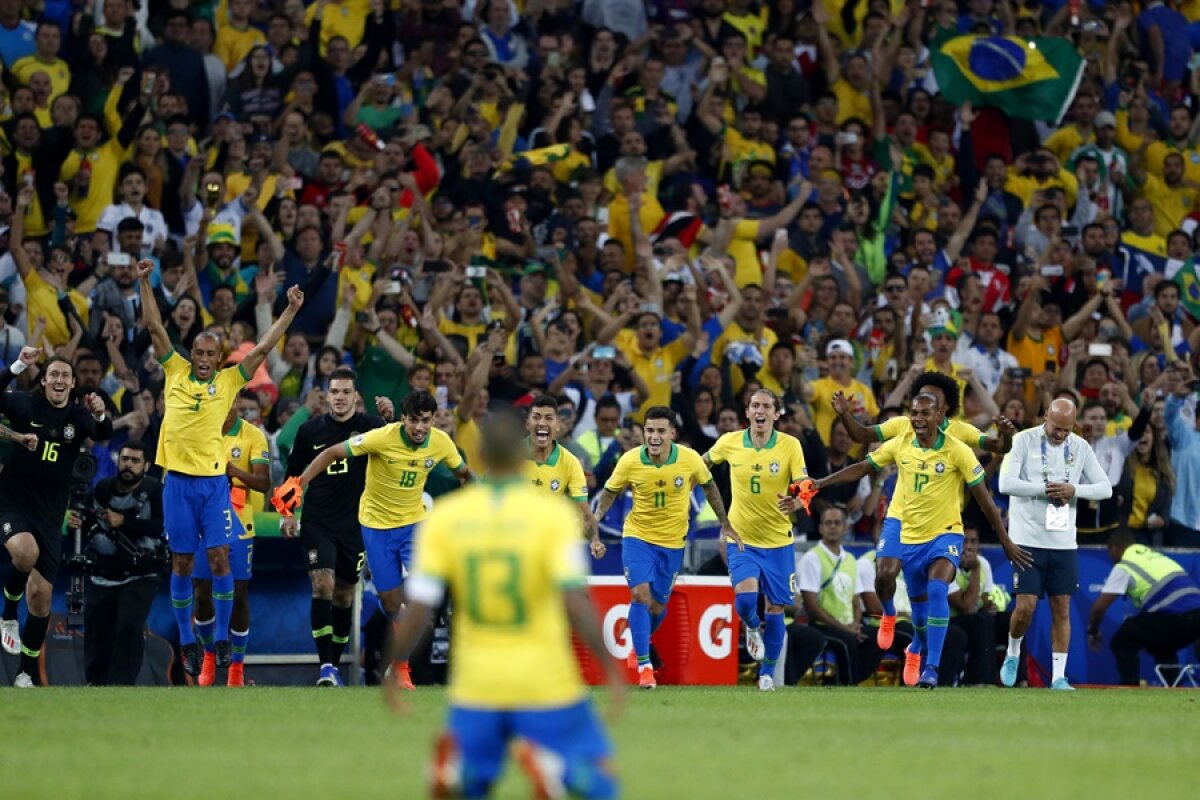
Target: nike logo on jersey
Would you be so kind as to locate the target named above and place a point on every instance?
(320, 446)
(35, 424)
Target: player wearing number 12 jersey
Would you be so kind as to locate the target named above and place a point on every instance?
(511, 557)
(762, 464)
(662, 475)
(400, 457)
(330, 534)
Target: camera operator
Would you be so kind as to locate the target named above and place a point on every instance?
(126, 557)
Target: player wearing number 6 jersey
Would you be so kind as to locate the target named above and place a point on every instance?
(511, 556)
(662, 475)
(34, 493)
(197, 512)
(762, 464)
(400, 457)
(933, 467)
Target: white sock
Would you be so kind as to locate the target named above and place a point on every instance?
(1060, 665)
(1014, 646)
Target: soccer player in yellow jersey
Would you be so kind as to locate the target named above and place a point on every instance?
(400, 457)
(248, 468)
(511, 557)
(662, 475)
(551, 466)
(946, 390)
(762, 463)
(933, 466)
(191, 450)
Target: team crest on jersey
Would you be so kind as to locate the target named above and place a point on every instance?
(429, 463)
(939, 468)
(237, 452)
(678, 482)
(312, 556)
(7, 528)
(212, 390)
(69, 432)
(554, 486)
(774, 467)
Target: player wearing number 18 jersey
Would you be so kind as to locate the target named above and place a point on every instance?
(330, 534)
(400, 457)
(762, 464)
(662, 475)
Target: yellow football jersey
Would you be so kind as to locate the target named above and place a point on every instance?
(396, 473)
(506, 552)
(661, 494)
(245, 446)
(965, 432)
(757, 477)
(561, 473)
(932, 479)
(190, 441)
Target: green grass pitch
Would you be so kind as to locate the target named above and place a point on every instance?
(968, 744)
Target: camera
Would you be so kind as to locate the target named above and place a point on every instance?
(82, 472)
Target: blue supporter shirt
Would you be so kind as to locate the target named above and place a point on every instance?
(1185, 461)
(17, 42)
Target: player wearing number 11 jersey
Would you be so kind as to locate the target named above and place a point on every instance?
(400, 457)
(762, 464)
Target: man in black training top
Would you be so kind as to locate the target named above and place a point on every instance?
(35, 491)
(330, 532)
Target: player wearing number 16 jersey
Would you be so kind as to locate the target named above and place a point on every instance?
(762, 464)
(400, 457)
(330, 534)
(662, 475)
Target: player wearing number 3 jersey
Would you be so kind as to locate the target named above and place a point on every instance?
(400, 457)
(762, 464)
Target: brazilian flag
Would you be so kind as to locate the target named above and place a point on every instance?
(1031, 79)
(1189, 285)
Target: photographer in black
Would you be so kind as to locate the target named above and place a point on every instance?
(126, 557)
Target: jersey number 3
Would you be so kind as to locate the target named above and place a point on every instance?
(494, 589)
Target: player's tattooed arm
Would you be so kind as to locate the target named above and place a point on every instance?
(27, 440)
(713, 495)
(607, 498)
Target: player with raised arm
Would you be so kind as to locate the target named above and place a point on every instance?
(933, 467)
(944, 389)
(400, 457)
(248, 468)
(509, 554)
(763, 463)
(34, 494)
(197, 510)
(662, 475)
(330, 534)
(554, 467)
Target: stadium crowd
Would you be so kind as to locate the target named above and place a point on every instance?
(621, 204)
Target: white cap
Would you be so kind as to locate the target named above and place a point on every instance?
(839, 346)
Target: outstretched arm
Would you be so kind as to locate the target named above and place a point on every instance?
(852, 473)
(255, 357)
(151, 316)
(323, 460)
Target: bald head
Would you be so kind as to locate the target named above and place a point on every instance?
(1060, 420)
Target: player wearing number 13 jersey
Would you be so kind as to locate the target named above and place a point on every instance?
(762, 463)
(662, 475)
(400, 457)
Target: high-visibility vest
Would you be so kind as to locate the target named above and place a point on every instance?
(1156, 579)
(837, 579)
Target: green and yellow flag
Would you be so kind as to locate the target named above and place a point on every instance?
(1189, 284)
(1027, 79)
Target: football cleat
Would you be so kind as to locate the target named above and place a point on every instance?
(10, 636)
(190, 655)
(754, 643)
(208, 669)
(401, 674)
(237, 674)
(929, 678)
(646, 677)
(546, 770)
(446, 780)
(224, 652)
(887, 631)
(330, 676)
(23, 681)
(1062, 685)
(1008, 671)
(912, 668)
(766, 683)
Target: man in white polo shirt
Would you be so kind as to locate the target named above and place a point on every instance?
(1047, 472)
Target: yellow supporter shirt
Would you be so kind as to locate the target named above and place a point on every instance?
(964, 432)
(245, 446)
(1066, 140)
(736, 333)
(35, 220)
(1171, 206)
(743, 247)
(933, 480)
(1023, 186)
(757, 477)
(561, 473)
(654, 172)
(1158, 151)
(506, 553)
(470, 439)
(347, 18)
(851, 102)
(41, 300)
(859, 394)
(233, 45)
(190, 442)
(1037, 355)
(619, 228)
(654, 368)
(661, 493)
(58, 71)
(396, 473)
(944, 168)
